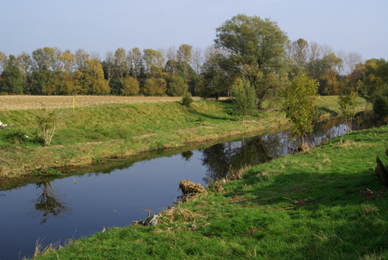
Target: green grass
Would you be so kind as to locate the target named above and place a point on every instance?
(114, 131)
(312, 205)
(119, 131)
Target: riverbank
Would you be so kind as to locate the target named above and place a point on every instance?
(326, 203)
(92, 134)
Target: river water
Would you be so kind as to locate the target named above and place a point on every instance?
(52, 210)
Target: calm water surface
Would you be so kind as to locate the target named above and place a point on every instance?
(81, 204)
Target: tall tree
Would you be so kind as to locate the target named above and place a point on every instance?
(12, 83)
(154, 61)
(256, 50)
(184, 58)
(3, 61)
(26, 66)
(81, 58)
(299, 52)
(121, 66)
(135, 63)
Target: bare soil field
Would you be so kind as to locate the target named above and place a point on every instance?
(24, 102)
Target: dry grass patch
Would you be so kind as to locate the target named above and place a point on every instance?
(35, 102)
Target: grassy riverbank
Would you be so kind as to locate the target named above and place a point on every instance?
(94, 133)
(313, 205)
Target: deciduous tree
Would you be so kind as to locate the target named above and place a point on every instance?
(244, 98)
(256, 50)
(299, 104)
(130, 86)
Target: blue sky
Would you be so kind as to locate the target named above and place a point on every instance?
(102, 25)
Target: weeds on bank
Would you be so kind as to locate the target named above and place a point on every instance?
(288, 208)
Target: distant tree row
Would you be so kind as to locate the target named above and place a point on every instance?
(245, 47)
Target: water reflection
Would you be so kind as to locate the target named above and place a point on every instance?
(221, 158)
(113, 193)
(48, 204)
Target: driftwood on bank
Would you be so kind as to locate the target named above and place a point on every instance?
(381, 171)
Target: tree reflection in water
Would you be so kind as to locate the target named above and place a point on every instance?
(48, 203)
(221, 158)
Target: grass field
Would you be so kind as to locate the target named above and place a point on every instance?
(23, 102)
(326, 203)
(96, 132)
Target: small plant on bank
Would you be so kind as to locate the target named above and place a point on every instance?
(46, 172)
(47, 121)
(348, 103)
(187, 100)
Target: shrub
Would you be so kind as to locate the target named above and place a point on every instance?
(47, 121)
(187, 100)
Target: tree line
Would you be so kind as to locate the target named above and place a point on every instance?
(244, 46)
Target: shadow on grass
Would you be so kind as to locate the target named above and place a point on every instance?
(329, 212)
(327, 110)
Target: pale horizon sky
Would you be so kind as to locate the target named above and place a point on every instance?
(101, 25)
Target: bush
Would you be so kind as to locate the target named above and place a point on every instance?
(187, 100)
(380, 104)
(47, 121)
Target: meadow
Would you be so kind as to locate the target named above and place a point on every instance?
(97, 132)
(326, 203)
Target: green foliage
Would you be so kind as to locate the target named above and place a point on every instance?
(47, 121)
(130, 86)
(348, 103)
(244, 97)
(46, 172)
(256, 50)
(155, 87)
(177, 86)
(307, 206)
(299, 104)
(12, 83)
(380, 104)
(187, 100)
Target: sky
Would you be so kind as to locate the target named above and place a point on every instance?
(102, 25)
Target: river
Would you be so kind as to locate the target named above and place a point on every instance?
(52, 210)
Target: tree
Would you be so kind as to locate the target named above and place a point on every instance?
(256, 50)
(154, 86)
(299, 104)
(25, 65)
(81, 58)
(154, 61)
(380, 104)
(3, 61)
(299, 52)
(130, 86)
(135, 63)
(176, 86)
(44, 81)
(213, 81)
(184, 58)
(348, 102)
(244, 97)
(12, 83)
(120, 61)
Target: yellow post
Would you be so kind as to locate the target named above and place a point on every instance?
(73, 102)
